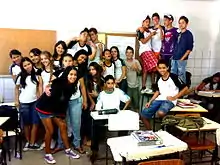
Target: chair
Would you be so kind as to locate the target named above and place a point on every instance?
(163, 162)
(11, 128)
(125, 120)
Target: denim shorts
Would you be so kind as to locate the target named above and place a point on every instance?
(29, 114)
(45, 116)
(157, 105)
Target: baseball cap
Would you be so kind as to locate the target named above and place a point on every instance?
(169, 16)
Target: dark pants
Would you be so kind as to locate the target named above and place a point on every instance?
(123, 85)
(86, 124)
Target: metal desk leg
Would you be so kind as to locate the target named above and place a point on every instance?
(124, 160)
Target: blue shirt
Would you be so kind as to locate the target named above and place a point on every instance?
(184, 43)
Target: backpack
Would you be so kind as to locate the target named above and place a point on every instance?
(188, 122)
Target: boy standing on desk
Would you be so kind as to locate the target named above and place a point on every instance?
(109, 98)
(169, 89)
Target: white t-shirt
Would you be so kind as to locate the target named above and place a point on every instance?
(77, 94)
(156, 41)
(76, 47)
(110, 70)
(46, 78)
(147, 46)
(118, 68)
(169, 87)
(29, 93)
(111, 100)
(15, 70)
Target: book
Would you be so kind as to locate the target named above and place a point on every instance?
(185, 103)
(146, 138)
(206, 93)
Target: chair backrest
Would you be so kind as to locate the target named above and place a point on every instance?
(125, 120)
(12, 123)
(163, 162)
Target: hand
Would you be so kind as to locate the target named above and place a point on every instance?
(134, 66)
(94, 94)
(100, 46)
(84, 105)
(17, 104)
(75, 39)
(153, 33)
(117, 81)
(171, 98)
(148, 105)
(92, 107)
(47, 91)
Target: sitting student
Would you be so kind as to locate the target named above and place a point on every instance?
(170, 88)
(210, 84)
(16, 57)
(53, 109)
(109, 98)
(108, 65)
(133, 69)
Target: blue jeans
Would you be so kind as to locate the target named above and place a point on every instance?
(73, 118)
(157, 105)
(178, 67)
(28, 113)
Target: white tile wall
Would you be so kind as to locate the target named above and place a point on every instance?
(6, 89)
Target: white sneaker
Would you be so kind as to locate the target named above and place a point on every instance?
(146, 90)
(49, 159)
(26, 146)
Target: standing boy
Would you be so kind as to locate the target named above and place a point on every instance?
(169, 89)
(183, 48)
(133, 69)
(14, 68)
(170, 38)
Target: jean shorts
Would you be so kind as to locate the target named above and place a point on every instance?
(28, 113)
(157, 105)
(45, 116)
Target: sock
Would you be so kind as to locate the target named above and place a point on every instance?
(67, 150)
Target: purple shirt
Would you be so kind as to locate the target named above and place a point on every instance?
(168, 44)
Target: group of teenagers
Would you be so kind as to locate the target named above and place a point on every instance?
(81, 75)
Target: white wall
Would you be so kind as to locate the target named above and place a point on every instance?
(68, 17)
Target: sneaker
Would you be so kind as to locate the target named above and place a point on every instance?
(34, 147)
(71, 154)
(49, 159)
(26, 146)
(146, 90)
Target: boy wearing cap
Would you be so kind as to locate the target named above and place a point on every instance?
(170, 37)
(183, 48)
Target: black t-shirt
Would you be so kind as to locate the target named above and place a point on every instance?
(57, 103)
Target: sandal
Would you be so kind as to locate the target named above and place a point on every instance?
(80, 150)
